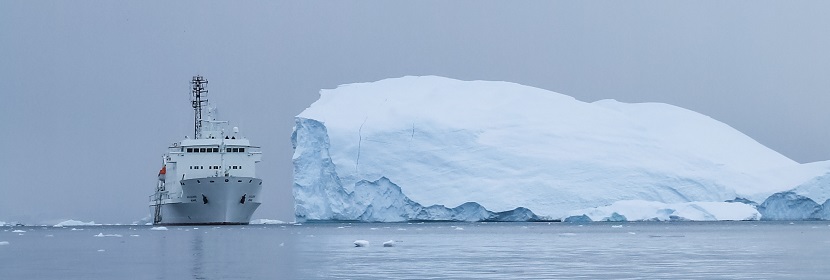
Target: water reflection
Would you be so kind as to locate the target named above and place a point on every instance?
(197, 254)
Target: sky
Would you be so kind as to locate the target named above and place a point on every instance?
(92, 92)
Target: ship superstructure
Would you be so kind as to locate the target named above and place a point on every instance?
(211, 178)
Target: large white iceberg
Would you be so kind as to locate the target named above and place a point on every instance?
(433, 148)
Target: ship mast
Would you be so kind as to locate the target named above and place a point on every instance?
(198, 92)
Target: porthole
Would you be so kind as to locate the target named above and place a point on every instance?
(239, 181)
(197, 181)
(249, 181)
(226, 180)
(260, 183)
(211, 181)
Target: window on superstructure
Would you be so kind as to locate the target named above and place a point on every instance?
(189, 150)
(227, 150)
(203, 150)
(215, 150)
(235, 150)
(241, 150)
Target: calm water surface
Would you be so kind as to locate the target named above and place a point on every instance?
(655, 250)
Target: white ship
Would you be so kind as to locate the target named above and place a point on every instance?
(211, 178)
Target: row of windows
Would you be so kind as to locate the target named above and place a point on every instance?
(215, 167)
(214, 150)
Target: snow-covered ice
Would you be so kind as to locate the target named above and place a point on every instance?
(75, 223)
(107, 235)
(158, 228)
(433, 148)
(390, 243)
(266, 222)
(637, 210)
(18, 231)
(4, 243)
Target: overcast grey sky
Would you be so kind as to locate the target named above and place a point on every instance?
(92, 92)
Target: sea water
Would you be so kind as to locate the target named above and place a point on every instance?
(644, 250)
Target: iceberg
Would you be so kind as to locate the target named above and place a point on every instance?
(434, 148)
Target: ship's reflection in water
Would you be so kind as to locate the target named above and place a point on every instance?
(225, 252)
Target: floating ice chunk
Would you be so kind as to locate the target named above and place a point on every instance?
(159, 228)
(361, 243)
(390, 243)
(107, 235)
(74, 223)
(101, 250)
(459, 228)
(616, 226)
(18, 231)
(135, 235)
(50, 235)
(567, 234)
(77, 229)
(631, 232)
(4, 243)
(266, 222)
(282, 244)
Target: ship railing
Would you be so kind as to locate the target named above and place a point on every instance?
(164, 196)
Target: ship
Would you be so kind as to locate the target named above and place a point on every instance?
(209, 179)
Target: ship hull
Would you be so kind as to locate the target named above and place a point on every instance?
(211, 201)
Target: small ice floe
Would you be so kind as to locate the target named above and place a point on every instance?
(630, 232)
(135, 235)
(459, 228)
(341, 227)
(374, 228)
(390, 243)
(361, 243)
(195, 228)
(158, 228)
(101, 250)
(50, 235)
(401, 229)
(18, 231)
(148, 224)
(616, 226)
(4, 243)
(107, 235)
(77, 229)
(282, 244)
(567, 234)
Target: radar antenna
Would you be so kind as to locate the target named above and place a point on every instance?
(197, 102)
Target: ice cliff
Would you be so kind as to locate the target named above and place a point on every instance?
(433, 148)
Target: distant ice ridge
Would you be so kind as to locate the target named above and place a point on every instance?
(74, 223)
(638, 210)
(266, 222)
(482, 150)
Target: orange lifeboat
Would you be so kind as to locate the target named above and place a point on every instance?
(163, 173)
